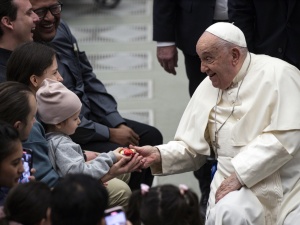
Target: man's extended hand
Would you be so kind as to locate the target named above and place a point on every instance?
(151, 155)
(167, 57)
(123, 135)
(230, 184)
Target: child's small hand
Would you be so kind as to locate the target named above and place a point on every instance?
(123, 152)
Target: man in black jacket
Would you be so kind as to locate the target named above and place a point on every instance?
(180, 23)
(271, 26)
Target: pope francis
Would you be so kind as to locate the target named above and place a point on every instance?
(246, 111)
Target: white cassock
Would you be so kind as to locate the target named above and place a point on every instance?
(259, 142)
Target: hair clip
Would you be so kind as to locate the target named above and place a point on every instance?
(144, 189)
(183, 188)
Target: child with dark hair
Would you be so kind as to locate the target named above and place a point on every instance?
(11, 153)
(78, 199)
(17, 110)
(164, 205)
(28, 204)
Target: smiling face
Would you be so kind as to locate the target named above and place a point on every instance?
(11, 167)
(24, 24)
(49, 73)
(217, 60)
(47, 26)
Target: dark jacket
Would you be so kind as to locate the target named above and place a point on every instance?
(182, 22)
(99, 109)
(271, 27)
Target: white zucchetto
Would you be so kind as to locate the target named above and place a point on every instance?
(228, 32)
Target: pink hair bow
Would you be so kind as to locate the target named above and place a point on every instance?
(144, 189)
(183, 188)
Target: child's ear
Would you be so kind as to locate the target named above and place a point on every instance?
(58, 126)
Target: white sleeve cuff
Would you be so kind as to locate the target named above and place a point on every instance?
(165, 44)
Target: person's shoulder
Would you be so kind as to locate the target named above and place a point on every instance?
(205, 86)
(271, 64)
(56, 138)
(271, 69)
(37, 133)
(63, 40)
(63, 25)
(38, 127)
(62, 34)
(63, 28)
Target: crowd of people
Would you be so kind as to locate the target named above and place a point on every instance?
(243, 112)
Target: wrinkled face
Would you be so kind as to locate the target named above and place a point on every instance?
(69, 126)
(216, 61)
(48, 24)
(11, 167)
(51, 73)
(25, 22)
(24, 129)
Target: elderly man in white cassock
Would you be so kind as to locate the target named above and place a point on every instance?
(250, 119)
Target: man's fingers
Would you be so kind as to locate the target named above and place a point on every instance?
(169, 66)
(134, 141)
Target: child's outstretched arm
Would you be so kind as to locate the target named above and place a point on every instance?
(124, 165)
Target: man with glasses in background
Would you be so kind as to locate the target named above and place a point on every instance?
(102, 128)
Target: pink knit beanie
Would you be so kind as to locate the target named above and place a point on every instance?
(55, 102)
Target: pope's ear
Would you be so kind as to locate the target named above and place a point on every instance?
(236, 54)
(5, 21)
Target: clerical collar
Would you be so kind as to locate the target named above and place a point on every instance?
(243, 71)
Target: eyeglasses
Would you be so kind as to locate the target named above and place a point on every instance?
(54, 9)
